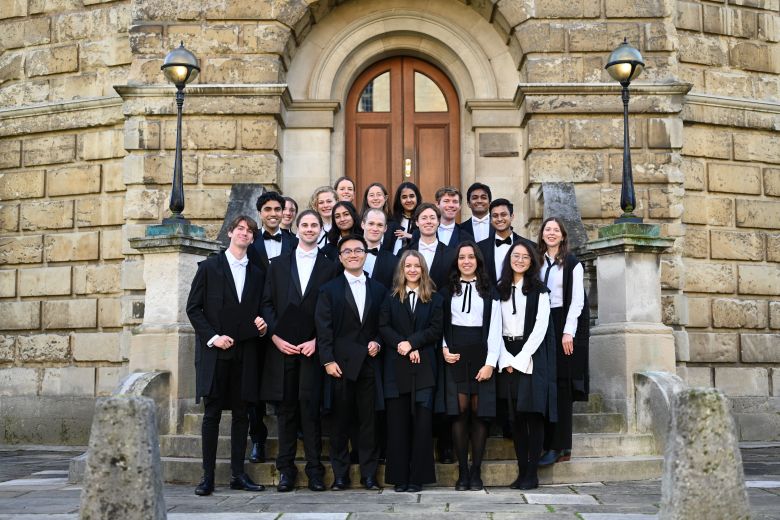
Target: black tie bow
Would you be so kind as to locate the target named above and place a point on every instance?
(269, 236)
(507, 241)
(374, 251)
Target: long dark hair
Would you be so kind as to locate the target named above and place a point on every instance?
(563, 248)
(335, 233)
(398, 209)
(483, 281)
(531, 279)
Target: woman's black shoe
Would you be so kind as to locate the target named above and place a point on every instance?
(401, 488)
(414, 488)
(475, 481)
(462, 484)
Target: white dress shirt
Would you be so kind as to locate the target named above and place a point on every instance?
(272, 247)
(445, 233)
(304, 261)
(357, 285)
(499, 253)
(399, 242)
(413, 295)
(428, 251)
(238, 270)
(514, 325)
(555, 284)
(481, 227)
(471, 316)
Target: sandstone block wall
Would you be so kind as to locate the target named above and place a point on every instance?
(91, 167)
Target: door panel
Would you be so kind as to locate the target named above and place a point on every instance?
(417, 120)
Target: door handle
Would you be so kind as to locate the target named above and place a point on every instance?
(408, 168)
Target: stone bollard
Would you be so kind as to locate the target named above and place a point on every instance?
(123, 477)
(702, 475)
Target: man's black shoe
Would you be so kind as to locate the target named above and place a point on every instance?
(414, 488)
(445, 455)
(206, 486)
(257, 454)
(370, 483)
(285, 484)
(340, 484)
(316, 484)
(401, 488)
(245, 483)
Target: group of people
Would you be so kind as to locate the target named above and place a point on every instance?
(409, 329)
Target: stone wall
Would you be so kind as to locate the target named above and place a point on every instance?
(84, 167)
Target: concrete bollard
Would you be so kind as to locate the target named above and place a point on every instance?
(123, 477)
(702, 475)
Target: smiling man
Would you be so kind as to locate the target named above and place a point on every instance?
(271, 241)
(478, 198)
(495, 247)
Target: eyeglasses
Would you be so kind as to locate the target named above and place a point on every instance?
(356, 251)
(524, 258)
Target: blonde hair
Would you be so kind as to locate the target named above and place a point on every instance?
(426, 288)
(318, 192)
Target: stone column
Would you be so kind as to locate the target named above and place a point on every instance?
(165, 341)
(629, 336)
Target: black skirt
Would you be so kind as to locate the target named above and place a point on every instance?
(467, 341)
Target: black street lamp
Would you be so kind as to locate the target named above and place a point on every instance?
(180, 67)
(625, 64)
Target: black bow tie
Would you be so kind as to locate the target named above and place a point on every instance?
(507, 241)
(374, 251)
(269, 236)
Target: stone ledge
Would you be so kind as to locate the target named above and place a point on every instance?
(61, 115)
(731, 111)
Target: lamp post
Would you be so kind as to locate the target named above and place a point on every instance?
(180, 67)
(625, 64)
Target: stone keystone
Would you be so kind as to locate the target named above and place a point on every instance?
(123, 477)
(702, 475)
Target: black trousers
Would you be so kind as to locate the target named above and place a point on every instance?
(409, 442)
(258, 431)
(226, 395)
(354, 399)
(287, 413)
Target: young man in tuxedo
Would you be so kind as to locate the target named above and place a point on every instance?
(292, 374)
(270, 243)
(224, 309)
(495, 247)
(380, 264)
(349, 343)
(449, 201)
(478, 198)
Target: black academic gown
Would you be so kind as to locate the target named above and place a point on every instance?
(384, 268)
(213, 309)
(289, 309)
(487, 247)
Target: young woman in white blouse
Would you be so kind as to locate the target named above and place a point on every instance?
(472, 344)
(527, 360)
(562, 273)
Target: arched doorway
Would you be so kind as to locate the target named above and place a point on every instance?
(402, 124)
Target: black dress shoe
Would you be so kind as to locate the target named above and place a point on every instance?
(206, 486)
(401, 488)
(370, 483)
(549, 458)
(258, 453)
(445, 455)
(414, 488)
(529, 483)
(340, 484)
(286, 483)
(316, 484)
(245, 483)
(475, 479)
(517, 482)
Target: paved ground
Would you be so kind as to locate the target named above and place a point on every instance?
(33, 486)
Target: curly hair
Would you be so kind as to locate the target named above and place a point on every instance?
(483, 280)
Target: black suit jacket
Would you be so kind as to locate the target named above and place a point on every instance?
(213, 308)
(388, 242)
(487, 247)
(384, 268)
(439, 270)
(341, 335)
(258, 255)
(289, 311)
(423, 329)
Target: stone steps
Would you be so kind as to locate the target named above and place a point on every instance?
(595, 422)
(497, 448)
(494, 473)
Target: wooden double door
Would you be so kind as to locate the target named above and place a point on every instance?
(402, 124)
